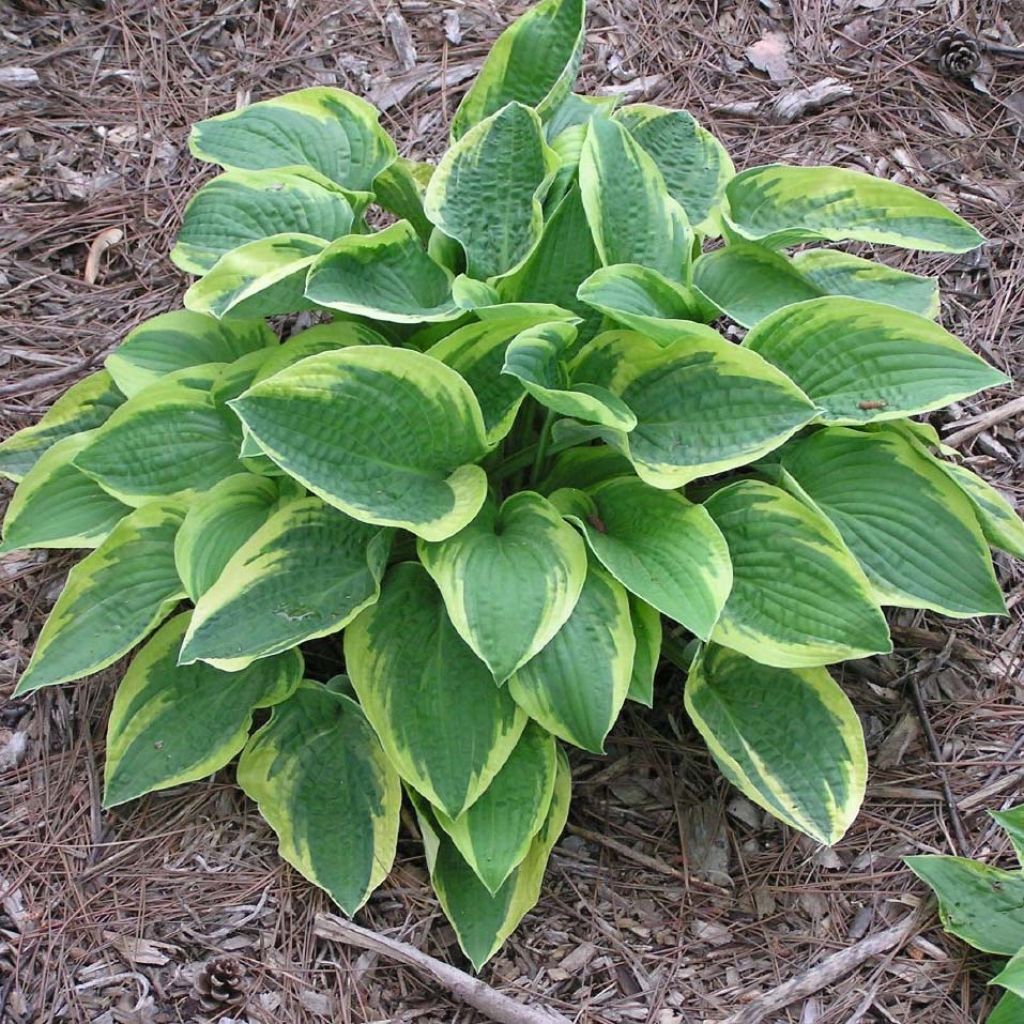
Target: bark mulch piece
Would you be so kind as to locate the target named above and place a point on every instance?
(670, 899)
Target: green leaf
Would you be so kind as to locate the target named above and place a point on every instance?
(57, 506)
(112, 599)
(314, 340)
(495, 834)
(564, 256)
(1011, 977)
(798, 598)
(1009, 1010)
(647, 630)
(444, 724)
(779, 206)
(221, 520)
(789, 739)
(262, 278)
(1000, 522)
(174, 723)
(509, 579)
(879, 490)
(84, 406)
(386, 435)
(534, 62)
(539, 359)
(576, 686)
(489, 203)
(694, 164)
(631, 214)
(330, 130)
(305, 573)
(840, 273)
(748, 281)
(482, 920)
(326, 788)
(477, 353)
(1012, 822)
(585, 467)
(703, 405)
(642, 300)
(174, 341)
(657, 545)
(400, 188)
(385, 276)
(172, 438)
(979, 904)
(241, 206)
(864, 361)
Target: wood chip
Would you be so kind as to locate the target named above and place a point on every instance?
(18, 78)
(771, 55)
(796, 102)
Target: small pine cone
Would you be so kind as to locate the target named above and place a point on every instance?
(957, 54)
(220, 985)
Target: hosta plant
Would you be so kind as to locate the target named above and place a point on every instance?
(984, 906)
(512, 463)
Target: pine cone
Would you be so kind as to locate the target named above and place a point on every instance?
(220, 985)
(958, 54)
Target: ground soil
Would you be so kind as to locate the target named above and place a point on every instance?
(669, 900)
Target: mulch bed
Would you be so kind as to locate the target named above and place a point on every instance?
(670, 899)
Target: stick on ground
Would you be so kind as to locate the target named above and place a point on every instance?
(472, 991)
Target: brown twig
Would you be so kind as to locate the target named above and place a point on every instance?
(830, 970)
(932, 666)
(469, 990)
(984, 421)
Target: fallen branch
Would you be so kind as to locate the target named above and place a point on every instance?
(472, 991)
(831, 969)
(981, 423)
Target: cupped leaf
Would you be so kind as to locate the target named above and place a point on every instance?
(174, 341)
(747, 281)
(314, 340)
(1009, 1010)
(172, 438)
(694, 164)
(112, 599)
(534, 62)
(910, 527)
(647, 630)
(1000, 522)
(584, 467)
(564, 256)
(789, 739)
(477, 353)
(488, 202)
(261, 278)
(703, 405)
(330, 130)
(982, 905)
(576, 686)
(539, 359)
(509, 579)
(325, 786)
(84, 406)
(836, 272)
(221, 520)
(482, 920)
(495, 834)
(305, 573)
(386, 435)
(798, 597)
(643, 300)
(1011, 977)
(1012, 822)
(57, 506)
(386, 276)
(174, 723)
(444, 724)
(242, 206)
(657, 545)
(632, 216)
(400, 189)
(780, 205)
(862, 361)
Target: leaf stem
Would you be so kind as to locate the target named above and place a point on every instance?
(543, 442)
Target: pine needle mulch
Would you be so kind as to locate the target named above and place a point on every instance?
(670, 899)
